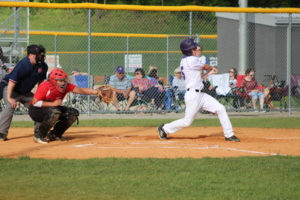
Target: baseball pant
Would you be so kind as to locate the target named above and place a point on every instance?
(194, 101)
(8, 111)
(60, 118)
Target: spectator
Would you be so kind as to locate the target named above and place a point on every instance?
(154, 78)
(6, 69)
(178, 84)
(251, 86)
(142, 85)
(237, 99)
(208, 88)
(151, 67)
(2, 58)
(76, 71)
(121, 85)
(28, 72)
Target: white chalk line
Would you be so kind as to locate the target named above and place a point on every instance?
(285, 138)
(92, 146)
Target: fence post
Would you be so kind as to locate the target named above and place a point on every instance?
(89, 56)
(127, 53)
(191, 24)
(167, 83)
(243, 38)
(55, 49)
(288, 57)
(27, 34)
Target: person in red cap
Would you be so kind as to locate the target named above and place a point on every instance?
(46, 111)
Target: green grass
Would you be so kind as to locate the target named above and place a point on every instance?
(274, 122)
(209, 178)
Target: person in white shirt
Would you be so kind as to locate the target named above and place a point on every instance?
(178, 83)
(193, 73)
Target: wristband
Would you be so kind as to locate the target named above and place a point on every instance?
(38, 104)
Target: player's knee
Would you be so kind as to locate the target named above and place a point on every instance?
(54, 115)
(72, 115)
(221, 108)
(187, 122)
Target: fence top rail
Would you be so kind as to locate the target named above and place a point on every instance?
(93, 34)
(147, 8)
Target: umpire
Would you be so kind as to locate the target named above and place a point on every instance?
(28, 72)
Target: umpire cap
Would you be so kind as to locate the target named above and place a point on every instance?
(187, 45)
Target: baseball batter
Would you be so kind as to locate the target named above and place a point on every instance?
(193, 73)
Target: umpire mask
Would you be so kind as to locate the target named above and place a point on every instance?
(40, 57)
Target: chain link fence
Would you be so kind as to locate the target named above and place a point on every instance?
(96, 41)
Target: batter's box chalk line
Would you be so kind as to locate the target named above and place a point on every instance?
(92, 146)
(284, 138)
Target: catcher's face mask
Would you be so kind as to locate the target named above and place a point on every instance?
(58, 78)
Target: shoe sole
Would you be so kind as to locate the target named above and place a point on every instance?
(159, 135)
(37, 140)
(232, 140)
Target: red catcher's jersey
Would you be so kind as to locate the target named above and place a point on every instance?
(47, 92)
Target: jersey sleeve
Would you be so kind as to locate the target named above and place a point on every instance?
(70, 87)
(195, 63)
(41, 92)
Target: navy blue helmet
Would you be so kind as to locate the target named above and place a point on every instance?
(187, 45)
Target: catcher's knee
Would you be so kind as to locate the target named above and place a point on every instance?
(54, 115)
(72, 115)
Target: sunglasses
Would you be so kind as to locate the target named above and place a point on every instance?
(137, 73)
(231, 71)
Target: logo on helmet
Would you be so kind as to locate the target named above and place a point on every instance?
(58, 78)
(187, 45)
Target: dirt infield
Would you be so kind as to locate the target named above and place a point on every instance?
(143, 142)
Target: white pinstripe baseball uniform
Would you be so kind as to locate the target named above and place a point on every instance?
(195, 99)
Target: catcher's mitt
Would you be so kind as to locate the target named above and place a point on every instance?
(106, 93)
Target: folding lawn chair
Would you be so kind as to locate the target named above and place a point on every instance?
(81, 101)
(225, 94)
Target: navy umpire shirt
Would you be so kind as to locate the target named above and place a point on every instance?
(26, 75)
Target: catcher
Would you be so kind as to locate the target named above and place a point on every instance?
(46, 111)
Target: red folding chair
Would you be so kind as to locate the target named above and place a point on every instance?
(241, 91)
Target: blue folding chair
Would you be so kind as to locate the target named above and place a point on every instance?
(171, 98)
(81, 101)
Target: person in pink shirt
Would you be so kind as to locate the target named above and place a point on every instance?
(142, 85)
(249, 83)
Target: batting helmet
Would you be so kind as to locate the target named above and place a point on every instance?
(58, 74)
(187, 45)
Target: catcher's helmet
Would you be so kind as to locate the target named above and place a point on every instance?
(58, 74)
(187, 45)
